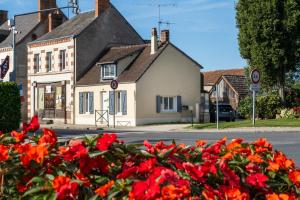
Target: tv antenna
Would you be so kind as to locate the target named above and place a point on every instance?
(75, 5)
(160, 21)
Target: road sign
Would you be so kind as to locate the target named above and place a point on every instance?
(255, 76)
(255, 87)
(114, 84)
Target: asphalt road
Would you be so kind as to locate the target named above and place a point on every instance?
(288, 142)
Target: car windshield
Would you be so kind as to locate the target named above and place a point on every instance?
(225, 108)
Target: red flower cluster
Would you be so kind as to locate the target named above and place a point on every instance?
(103, 167)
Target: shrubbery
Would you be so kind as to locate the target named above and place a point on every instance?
(267, 106)
(103, 167)
(10, 106)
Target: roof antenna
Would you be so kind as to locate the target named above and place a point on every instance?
(160, 21)
(75, 5)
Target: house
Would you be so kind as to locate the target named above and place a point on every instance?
(232, 86)
(29, 27)
(158, 83)
(60, 58)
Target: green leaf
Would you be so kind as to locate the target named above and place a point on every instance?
(95, 197)
(36, 179)
(95, 154)
(147, 154)
(34, 190)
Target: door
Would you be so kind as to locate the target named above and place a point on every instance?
(104, 106)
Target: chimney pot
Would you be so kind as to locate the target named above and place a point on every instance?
(54, 20)
(101, 6)
(3, 16)
(45, 4)
(154, 45)
(165, 36)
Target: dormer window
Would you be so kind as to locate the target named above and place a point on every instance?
(109, 71)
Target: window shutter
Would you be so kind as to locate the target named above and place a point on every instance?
(80, 103)
(124, 102)
(111, 103)
(179, 104)
(158, 104)
(91, 102)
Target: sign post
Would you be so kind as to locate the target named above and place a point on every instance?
(114, 85)
(255, 78)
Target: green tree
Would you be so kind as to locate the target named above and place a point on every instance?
(269, 38)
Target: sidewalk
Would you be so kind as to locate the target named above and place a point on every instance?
(172, 128)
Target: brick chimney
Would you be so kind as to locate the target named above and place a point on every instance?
(3, 16)
(45, 4)
(55, 19)
(165, 36)
(154, 45)
(101, 6)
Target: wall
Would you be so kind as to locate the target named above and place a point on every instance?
(172, 74)
(121, 120)
(55, 75)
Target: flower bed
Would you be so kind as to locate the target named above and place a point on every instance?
(103, 167)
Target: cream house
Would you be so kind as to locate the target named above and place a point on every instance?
(57, 60)
(29, 27)
(157, 83)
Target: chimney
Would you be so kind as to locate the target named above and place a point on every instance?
(45, 4)
(101, 6)
(154, 41)
(54, 20)
(165, 36)
(3, 16)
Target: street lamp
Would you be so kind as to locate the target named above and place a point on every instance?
(12, 25)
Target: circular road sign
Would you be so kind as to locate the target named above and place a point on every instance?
(114, 84)
(255, 76)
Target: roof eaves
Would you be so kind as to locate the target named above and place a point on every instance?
(41, 41)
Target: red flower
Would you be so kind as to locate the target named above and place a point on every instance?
(3, 153)
(49, 137)
(76, 149)
(195, 171)
(146, 190)
(229, 175)
(35, 153)
(257, 180)
(147, 165)
(19, 137)
(65, 189)
(103, 190)
(33, 126)
(86, 164)
(295, 176)
(106, 141)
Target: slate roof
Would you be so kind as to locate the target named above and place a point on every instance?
(24, 24)
(71, 27)
(134, 71)
(238, 83)
(211, 77)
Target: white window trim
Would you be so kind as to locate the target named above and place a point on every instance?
(50, 66)
(103, 77)
(88, 104)
(174, 110)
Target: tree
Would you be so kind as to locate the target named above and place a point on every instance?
(269, 38)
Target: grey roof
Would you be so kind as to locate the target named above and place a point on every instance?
(24, 24)
(238, 82)
(70, 28)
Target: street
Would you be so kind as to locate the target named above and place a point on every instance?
(288, 142)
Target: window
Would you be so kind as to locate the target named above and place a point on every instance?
(86, 103)
(109, 71)
(36, 61)
(118, 102)
(62, 60)
(168, 104)
(48, 61)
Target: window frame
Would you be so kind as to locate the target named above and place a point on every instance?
(62, 59)
(86, 104)
(103, 71)
(49, 61)
(36, 63)
(167, 109)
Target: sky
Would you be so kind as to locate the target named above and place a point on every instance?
(204, 29)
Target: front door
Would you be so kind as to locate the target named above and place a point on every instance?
(49, 102)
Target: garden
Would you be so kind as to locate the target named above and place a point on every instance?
(103, 167)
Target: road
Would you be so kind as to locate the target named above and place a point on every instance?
(288, 142)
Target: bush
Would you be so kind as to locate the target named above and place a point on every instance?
(245, 108)
(288, 114)
(10, 106)
(268, 106)
(102, 167)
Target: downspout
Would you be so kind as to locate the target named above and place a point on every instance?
(75, 77)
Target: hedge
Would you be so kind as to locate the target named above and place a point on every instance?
(10, 106)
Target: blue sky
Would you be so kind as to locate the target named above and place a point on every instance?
(204, 29)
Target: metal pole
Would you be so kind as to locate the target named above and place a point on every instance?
(14, 73)
(217, 106)
(114, 108)
(253, 112)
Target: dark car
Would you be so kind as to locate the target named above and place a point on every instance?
(226, 113)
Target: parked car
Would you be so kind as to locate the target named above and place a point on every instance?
(226, 113)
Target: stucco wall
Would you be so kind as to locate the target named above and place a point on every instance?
(121, 120)
(172, 74)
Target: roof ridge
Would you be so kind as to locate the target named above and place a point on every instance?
(128, 46)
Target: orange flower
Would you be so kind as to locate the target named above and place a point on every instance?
(236, 194)
(3, 153)
(295, 176)
(103, 190)
(255, 159)
(171, 192)
(283, 162)
(274, 167)
(19, 137)
(236, 143)
(278, 197)
(200, 143)
(227, 156)
(36, 153)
